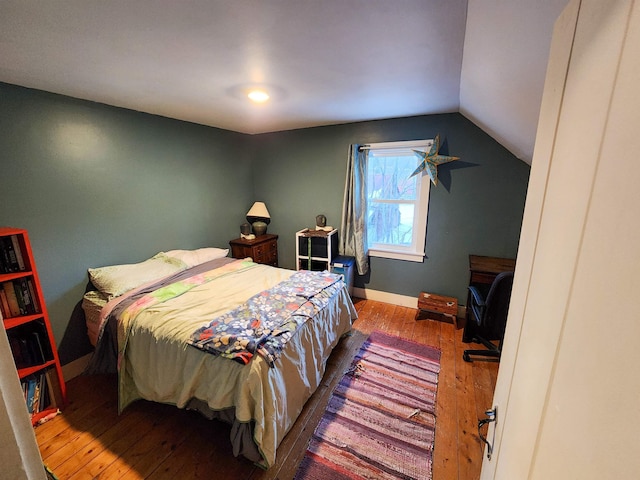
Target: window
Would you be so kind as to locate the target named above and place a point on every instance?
(397, 203)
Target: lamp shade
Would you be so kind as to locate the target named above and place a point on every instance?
(258, 212)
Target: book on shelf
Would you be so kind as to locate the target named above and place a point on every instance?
(28, 347)
(34, 401)
(16, 351)
(4, 304)
(22, 302)
(11, 258)
(31, 392)
(37, 349)
(6, 259)
(18, 251)
(18, 298)
(12, 299)
(34, 296)
(37, 392)
(24, 296)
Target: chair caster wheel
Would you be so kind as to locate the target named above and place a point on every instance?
(466, 357)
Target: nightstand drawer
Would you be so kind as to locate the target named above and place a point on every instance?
(267, 253)
(262, 249)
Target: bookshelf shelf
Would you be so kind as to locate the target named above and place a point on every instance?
(17, 321)
(25, 372)
(26, 323)
(6, 277)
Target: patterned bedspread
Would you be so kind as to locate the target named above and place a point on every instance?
(266, 322)
(146, 335)
(167, 290)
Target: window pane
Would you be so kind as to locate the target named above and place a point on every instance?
(388, 177)
(395, 200)
(390, 223)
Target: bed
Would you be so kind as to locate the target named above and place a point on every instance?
(151, 332)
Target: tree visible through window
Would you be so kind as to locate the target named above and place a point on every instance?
(396, 202)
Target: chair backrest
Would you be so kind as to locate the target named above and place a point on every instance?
(497, 305)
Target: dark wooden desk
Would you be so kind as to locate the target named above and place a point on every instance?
(482, 272)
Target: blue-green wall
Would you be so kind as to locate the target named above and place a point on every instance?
(476, 208)
(97, 185)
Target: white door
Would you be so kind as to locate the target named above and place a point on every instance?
(568, 390)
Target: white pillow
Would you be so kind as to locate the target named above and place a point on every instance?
(115, 280)
(198, 256)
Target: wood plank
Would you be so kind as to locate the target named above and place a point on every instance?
(445, 453)
(208, 454)
(140, 453)
(207, 442)
(75, 436)
(79, 453)
(381, 316)
(94, 391)
(52, 435)
(469, 444)
(402, 323)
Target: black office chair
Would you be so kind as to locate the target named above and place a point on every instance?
(488, 317)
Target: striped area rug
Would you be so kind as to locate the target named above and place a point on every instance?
(380, 420)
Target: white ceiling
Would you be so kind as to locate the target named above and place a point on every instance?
(324, 62)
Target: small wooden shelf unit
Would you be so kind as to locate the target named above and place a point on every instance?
(26, 322)
(316, 249)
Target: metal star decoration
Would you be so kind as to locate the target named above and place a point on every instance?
(431, 160)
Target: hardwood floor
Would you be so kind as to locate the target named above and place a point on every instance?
(154, 441)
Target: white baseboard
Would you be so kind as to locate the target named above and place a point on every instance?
(396, 299)
(386, 297)
(76, 367)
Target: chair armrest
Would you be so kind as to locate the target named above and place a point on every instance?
(477, 296)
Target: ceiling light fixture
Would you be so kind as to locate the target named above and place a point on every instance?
(258, 96)
(258, 93)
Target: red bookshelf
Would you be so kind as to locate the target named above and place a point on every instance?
(26, 322)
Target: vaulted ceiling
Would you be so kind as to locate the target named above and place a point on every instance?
(322, 62)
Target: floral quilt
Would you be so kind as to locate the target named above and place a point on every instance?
(266, 322)
(167, 291)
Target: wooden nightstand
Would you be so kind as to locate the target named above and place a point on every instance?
(263, 249)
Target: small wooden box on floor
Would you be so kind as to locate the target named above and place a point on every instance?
(440, 306)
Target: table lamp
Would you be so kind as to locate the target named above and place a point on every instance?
(258, 216)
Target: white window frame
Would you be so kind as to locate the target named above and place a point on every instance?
(415, 252)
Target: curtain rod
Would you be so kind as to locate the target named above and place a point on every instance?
(403, 144)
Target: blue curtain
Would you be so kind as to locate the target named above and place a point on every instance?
(353, 228)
